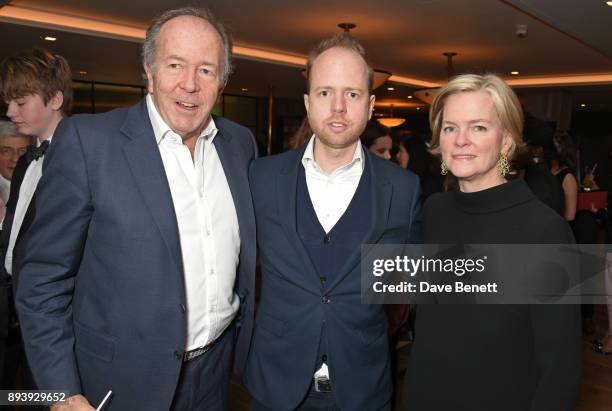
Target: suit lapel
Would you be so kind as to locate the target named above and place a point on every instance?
(286, 193)
(147, 168)
(381, 190)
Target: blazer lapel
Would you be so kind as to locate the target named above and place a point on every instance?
(381, 201)
(148, 171)
(286, 193)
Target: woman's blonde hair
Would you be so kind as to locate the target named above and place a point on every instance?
(506, 105)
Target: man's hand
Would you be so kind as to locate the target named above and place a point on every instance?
(74, 403)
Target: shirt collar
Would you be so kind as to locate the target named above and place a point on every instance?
(308, 156)
(161, 130)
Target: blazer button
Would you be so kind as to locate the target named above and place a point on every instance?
(323, 279)
(178, 355)
(327, 239)
(326, 299)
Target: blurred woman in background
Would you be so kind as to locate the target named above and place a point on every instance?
(376, 138)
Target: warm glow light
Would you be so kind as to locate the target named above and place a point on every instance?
(409, 97)
(583, 105)
(264, 55)
(49, 38)
(391, 121)
(16, 14)
(390, 88)
(514, 73)
(609, 3)
(418, 108)
(82, 72)
(412, 81)
(603, 78)
(244, 89)
(36, 18)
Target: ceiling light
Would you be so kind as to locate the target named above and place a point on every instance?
(391, 121)
(418, 108)
(609, 3)
(427, 94)
(244, 89)
(584, 105)
(82, 72)
(390, 88)
(50, 38)
(409, 97)
(514, 73)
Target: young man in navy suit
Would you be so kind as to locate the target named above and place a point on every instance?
(36, 85)
(315, 346)
(140, 267)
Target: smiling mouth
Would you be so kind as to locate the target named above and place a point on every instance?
(188, 106)
(463, 156)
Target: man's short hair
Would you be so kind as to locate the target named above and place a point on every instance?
(36, 71)
(345, 41)
(149, 46)
(9, 129)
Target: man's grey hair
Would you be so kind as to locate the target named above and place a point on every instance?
(149, 45)
(9, 129)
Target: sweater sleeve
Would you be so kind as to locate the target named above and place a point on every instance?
(557, 342)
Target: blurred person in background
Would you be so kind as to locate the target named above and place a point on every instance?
(13, 145)
(376, 138)
(414, 155)
(563, 166)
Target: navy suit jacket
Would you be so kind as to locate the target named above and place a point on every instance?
(102, 294)
(291, 312)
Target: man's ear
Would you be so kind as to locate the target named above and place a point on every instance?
(56, 101)
(306, 102)
(149, 73)
(371, 109)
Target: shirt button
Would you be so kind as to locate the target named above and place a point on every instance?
(212, 271)
(327, 239)
(326, 299)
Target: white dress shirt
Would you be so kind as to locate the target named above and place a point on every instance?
(26, 192)
(331, 194)
(208, 229)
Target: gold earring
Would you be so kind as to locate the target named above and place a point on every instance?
(503, 167)
(443, 168)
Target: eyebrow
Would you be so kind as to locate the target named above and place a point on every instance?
(479, 120)
(179, 58)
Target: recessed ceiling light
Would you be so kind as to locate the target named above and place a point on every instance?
(584, 105)
(244, 89)
(82, 72)
(418, 108)
(609, 3)
(50, 38)
(409, 96)
(390, 88)
(514, 73)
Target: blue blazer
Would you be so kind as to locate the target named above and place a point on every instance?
(102, 295)
(291, 312)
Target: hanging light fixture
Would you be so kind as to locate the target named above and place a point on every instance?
(391, 121)
(427, 95)
(380, 76)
